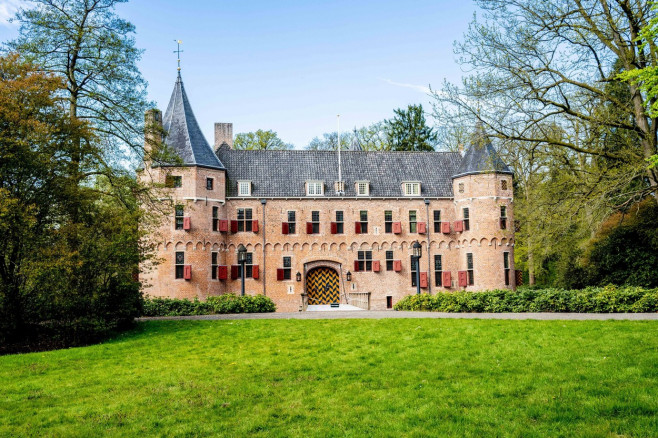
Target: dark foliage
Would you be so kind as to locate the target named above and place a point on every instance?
(227, 303)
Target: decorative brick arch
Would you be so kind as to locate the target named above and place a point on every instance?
(336, 266)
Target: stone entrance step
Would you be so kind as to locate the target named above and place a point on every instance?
(330, 307)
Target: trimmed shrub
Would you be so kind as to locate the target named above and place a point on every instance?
(227, 303)
(608, 299)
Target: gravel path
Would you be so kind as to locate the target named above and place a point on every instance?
(374, 314)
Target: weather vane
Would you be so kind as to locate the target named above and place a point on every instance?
(178, 51)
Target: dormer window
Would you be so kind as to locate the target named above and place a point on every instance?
(314, 188)
(411, 188)
(362, 188)
(244, 188)
(340, 187)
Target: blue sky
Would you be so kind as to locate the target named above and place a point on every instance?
(291, 66)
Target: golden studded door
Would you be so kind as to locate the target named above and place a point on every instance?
(322, 286)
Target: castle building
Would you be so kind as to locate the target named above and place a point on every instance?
(314, 237)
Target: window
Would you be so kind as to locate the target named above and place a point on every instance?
(438, 270)
(213, 264)
(506, 267)
(173, 181)
(248, 266)
(180, 264)
(503, 184)
(314, 188)
(389, 302)
(287, 268)
(180, 212)
(389, 260)
(469, 268)
(244, 219)
(340, 226)
(461, 187)
(467, 222)
(388, 221)
(411, 188)
(215, 218)
(412, 221)
(315, 221)
(503, 217)
(362, 188)
(437, 221)
(414, 268)
(244, 188)
(365, 260)
(210, 183)
(363, 218)
(292, 222)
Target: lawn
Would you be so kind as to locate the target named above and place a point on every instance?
(397, 377)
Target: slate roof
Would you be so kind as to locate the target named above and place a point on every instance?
(481, 157)
(184, 135)
(284, 173)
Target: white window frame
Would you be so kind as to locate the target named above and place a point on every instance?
(365, 185)
(411, 188)
(244, 184)
(314, 188)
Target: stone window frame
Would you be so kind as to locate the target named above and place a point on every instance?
(292, 224)
(215, 218)
(466, 216)
(470, 268)
(287, 267)
(437, 220)
(364, 259)
(340, 224)
(388, 222)
(504, 184)
(413, 225)
(179, 265)
(438, 270)
(314, 188)
(390, 260)
(245, 222)
(210, 183)
(244, 187)
(248, 266)
(411, 188)
(506, 267)
(363, 214)
(179, 216)
(214, 262)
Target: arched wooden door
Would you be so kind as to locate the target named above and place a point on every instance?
(322, 286)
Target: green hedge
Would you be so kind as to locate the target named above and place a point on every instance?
(608, 299)
(227, 303)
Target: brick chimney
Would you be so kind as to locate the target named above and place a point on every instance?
(223, 134)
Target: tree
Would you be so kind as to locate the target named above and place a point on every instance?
(329, 141)
(538, 66)
(260, 140)
(93, 50)
(408, 131)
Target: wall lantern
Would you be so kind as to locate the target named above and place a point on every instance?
(348, 276)
(299, 276)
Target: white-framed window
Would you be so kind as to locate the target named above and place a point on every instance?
(362, 188)
(244, 188)
(411, 188)
(314, 188)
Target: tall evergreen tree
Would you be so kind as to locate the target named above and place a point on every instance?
(408, 130)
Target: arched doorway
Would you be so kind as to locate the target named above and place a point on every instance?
(322, 286)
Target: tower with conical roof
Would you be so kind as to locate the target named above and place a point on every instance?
(192, 181)
(483, 199)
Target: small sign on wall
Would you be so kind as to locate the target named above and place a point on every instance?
(353, 286)
(291, 289)
(376, 231)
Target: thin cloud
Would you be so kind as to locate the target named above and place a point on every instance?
(8, 9)
(420, 88)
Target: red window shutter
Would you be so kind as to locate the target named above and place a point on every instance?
(463, 278)
(279, 274)
(459, 226)
(334, 228)
(234, 226)
(309, 227)
(445, 227)
(285, 228)
(255, 272)
(187, 224)
(446, 281)
(223, 226)
(422, 228)
(254, 226)
(356, 266)
(222, 272)
(423, 279)
(397, 265)
(187, 272)
(235, 272)
(357, 227)
(397, 227)
(375, 266)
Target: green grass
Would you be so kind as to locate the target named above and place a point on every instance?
(423, 377)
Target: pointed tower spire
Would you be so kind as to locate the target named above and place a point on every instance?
(481, 157)
(183, 133)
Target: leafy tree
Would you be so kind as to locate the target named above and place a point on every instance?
(329, 141)
(373, 137)
(260, 140)
(408, 130)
